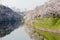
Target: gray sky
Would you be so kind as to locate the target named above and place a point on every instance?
(21, 4)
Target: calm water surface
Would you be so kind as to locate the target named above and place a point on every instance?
(18, 34)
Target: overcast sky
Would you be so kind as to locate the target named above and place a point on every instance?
(21, 4)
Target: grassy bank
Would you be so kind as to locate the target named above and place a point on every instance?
(47, 22)
(48, 36)
(51, 23)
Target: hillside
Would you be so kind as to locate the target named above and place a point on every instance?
(9, 20)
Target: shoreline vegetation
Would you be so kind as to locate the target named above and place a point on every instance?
(43, 23)
(41, 33)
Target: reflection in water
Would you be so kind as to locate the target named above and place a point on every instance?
(18, 34)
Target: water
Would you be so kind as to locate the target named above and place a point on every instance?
(18, 34)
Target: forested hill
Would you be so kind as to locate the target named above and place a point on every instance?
(9, 20)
